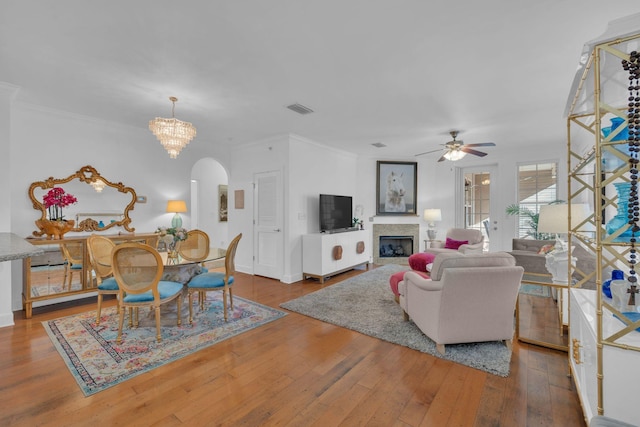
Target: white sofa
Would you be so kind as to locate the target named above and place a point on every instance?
(469, 298)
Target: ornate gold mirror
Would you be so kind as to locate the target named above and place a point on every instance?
(84, 201)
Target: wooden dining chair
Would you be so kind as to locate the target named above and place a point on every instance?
(215, 281)
(72, 253)
(138, 269)
(195, 248)
(100, 248)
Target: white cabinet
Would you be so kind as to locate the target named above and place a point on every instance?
(582, 349)
(619, 372)
(321, 257)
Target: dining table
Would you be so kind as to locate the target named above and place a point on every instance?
(184, 269)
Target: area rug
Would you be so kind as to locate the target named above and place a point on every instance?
(535, 290)
(97, 362)
(365, 304)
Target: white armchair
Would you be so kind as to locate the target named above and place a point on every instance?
(474, 239)
(469, 298)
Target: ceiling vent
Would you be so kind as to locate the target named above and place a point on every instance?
(300, 109)
(378, 144)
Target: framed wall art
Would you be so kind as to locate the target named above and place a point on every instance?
(222, 203)
(396, 188)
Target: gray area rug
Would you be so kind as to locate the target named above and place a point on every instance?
(365, 304)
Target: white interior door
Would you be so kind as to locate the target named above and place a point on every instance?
(268, 223)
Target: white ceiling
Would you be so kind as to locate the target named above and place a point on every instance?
(400, 72)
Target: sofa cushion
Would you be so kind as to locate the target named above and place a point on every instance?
(456, 260)
(454, 244)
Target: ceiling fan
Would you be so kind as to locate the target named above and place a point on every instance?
(455, 150)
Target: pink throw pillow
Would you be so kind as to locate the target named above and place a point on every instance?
(454, 244)
(546, 249)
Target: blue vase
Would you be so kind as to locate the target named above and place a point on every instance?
(606, 286)
(622, 217)
(623, 135)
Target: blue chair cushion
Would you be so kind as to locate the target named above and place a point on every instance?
(76, 266)
(165, 288)
(109, 284)
(209, 280)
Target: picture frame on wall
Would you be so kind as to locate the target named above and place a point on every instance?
(396, 188)
(222, 203)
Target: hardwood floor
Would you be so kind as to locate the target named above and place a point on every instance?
(296, 371)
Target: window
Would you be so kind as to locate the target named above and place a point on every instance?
(537, 185)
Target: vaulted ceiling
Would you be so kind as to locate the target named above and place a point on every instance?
(402, 73)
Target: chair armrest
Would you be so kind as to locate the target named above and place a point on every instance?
(421, 283)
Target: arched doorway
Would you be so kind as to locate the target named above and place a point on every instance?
(209, 180)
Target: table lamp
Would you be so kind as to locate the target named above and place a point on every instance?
(176, 206)
(554, 219)
(431, 216)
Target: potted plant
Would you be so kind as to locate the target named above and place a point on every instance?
(532, 221)
(56, 226)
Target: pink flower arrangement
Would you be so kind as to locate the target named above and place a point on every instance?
(55, 200)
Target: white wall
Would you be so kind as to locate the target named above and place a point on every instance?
(314, 169)
(436, 185)
(49, 143)
(209, 174)
(308, 169)
(7, 93)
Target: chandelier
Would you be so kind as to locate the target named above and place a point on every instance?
(172, 133)
(98, 185)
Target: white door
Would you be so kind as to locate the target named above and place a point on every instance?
(478, 203)
(268, 220)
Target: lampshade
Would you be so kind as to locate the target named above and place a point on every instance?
(432, 215)
(172, 133)
(555, 218)
(176, 206)
(454, 155)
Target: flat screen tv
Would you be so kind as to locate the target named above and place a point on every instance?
(335, 213)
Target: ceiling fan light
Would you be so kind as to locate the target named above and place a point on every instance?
(454, 155)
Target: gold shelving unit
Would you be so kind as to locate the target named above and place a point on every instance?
(595, 163)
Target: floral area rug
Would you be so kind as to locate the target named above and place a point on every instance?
(97, 362)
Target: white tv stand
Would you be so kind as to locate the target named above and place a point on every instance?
(318, 260)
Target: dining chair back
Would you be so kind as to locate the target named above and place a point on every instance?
(138, 269)
(100, 248)
(72, 253)
(195, 247)
(215, 281)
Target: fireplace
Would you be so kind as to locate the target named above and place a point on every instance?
(395, 246)
(393, 243)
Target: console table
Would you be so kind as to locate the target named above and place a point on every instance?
(321, 258)
(44, 278)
